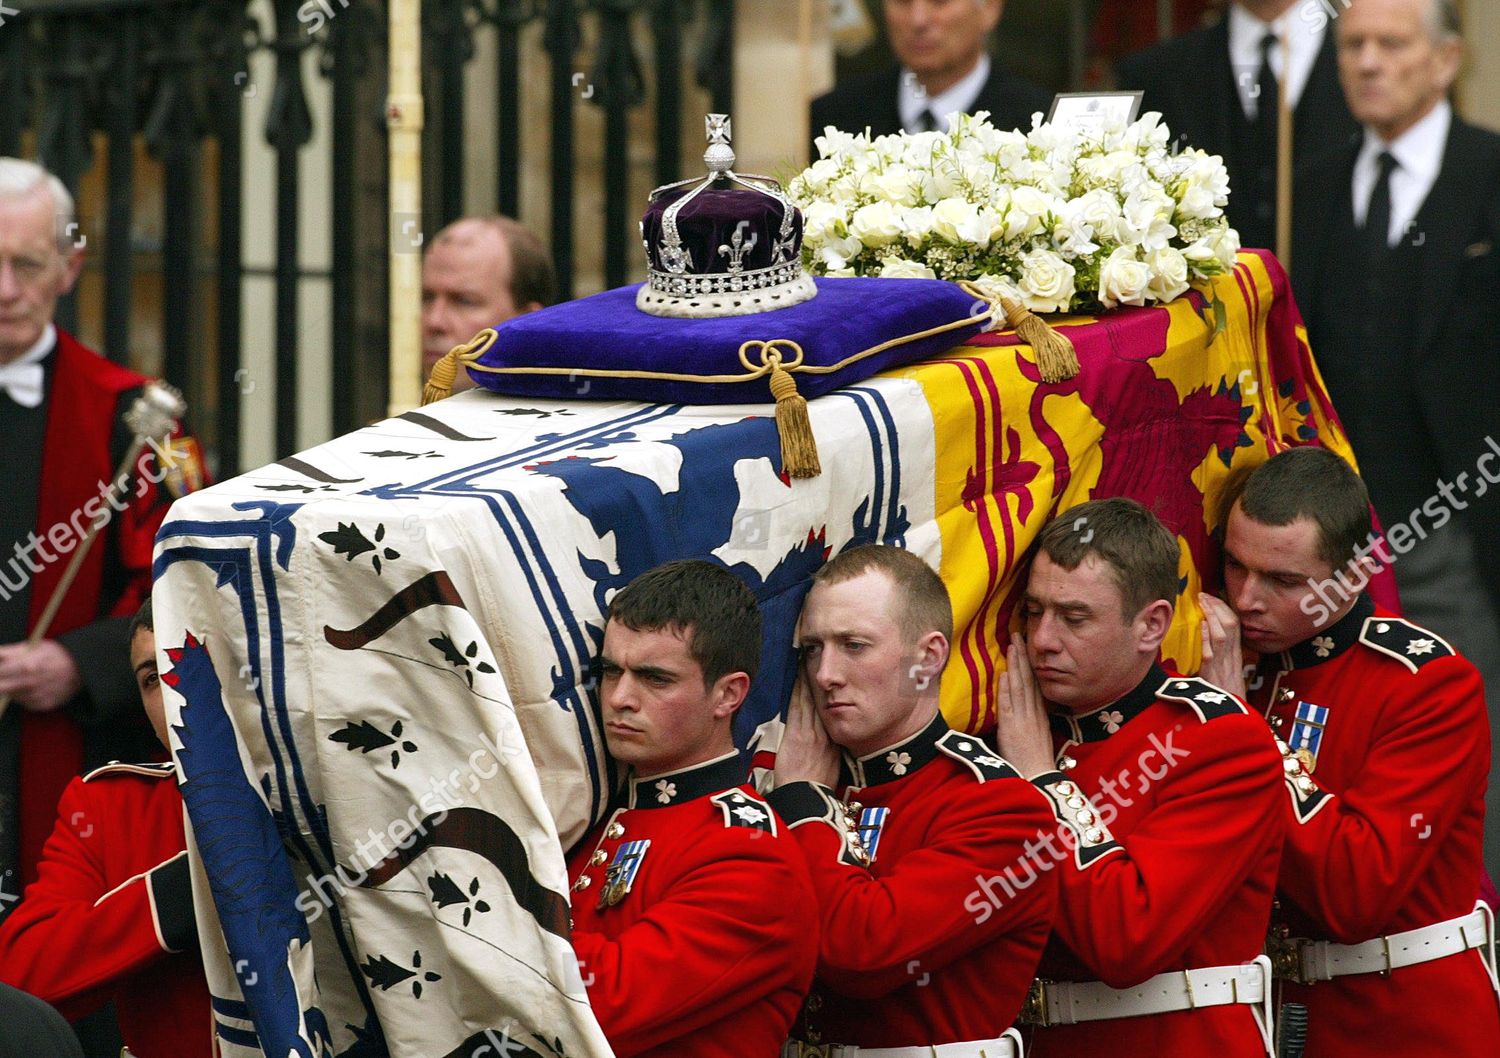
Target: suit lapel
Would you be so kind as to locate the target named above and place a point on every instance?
(1443, 224)
(1224, 97)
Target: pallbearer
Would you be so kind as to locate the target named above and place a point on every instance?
(902, 821)
(1386, 744)
(694, 921)
(1167, 793)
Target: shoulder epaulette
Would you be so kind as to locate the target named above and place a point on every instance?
(742, 810)
(1205, 699)
(166, 770)
(1412, 645)
(972, 752)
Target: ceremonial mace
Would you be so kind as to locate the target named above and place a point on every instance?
(154, 414)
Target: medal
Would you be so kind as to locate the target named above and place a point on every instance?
(620, 875)
(1307, 733)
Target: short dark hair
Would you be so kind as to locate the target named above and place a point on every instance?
(713, 608)
(1141, 552)
(1316, 484)
(143, 621)
(922, 597)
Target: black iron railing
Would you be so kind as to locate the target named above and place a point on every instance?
(174, 75)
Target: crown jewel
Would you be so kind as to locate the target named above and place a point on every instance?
(729, 244)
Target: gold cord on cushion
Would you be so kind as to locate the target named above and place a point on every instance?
(1056, 359)
(445, 371)
(799, 448)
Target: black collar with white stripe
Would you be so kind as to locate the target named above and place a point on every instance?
(1098, 724)
(895, 762)
(1331, 641)
(673, 788)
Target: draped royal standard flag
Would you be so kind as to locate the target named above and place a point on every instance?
(382, 650)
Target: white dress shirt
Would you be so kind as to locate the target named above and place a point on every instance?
(1419, 158)
(1303, 40)
(911, 100)
(23, 378)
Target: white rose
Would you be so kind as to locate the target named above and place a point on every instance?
(1169, 274)
(822, 220)
(1047, 281)
(837, 253)
(1026, 212)
(959, 222)
(876, 224)
(898, 184)
(1123, 279)
(901, 268)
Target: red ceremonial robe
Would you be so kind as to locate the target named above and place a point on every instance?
(111, 914)
(1385, 836)
(1177, 866)
(76, 459)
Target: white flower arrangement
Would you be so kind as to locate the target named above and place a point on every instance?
(1061, 219)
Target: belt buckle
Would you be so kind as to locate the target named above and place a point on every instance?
(1286, 958)
(1034, 1009)
(814, 1050)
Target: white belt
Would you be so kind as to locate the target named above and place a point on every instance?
(1071, 1002)
(1308, 961)
(1008, 1045)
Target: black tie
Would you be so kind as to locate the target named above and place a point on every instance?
(1268, 95)
(926, 122)
(1378, 216)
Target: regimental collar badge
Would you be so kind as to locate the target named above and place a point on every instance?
(895, 762)
(675, 788)
(619, 876)
(729, 244)
(1098, 725)
(1332, 641)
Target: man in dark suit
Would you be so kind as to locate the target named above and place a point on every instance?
(1399, 285)
(1216, 88)
(944, 68)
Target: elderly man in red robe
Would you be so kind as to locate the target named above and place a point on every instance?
(71, 694)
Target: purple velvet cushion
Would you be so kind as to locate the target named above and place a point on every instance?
(582, 344)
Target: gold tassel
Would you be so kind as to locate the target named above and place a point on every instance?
(1056, 358)
(799, 448)
(445, 371)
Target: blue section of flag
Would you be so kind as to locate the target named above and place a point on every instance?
(871, 823)
(1307, 728)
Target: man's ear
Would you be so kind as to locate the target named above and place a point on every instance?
(729, 694)
(928, 661)
(1153, 622)
(72, 268)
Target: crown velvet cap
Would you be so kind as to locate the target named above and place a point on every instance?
(737, 252)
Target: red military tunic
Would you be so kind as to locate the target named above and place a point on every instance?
(705, 945)
(913, 954)
(111, 914)
(1386, 836)
(1174, 867)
